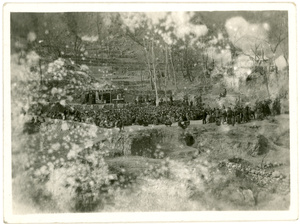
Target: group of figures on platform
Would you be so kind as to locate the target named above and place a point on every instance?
(102, 97)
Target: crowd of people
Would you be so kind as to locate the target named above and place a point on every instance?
(168, 113)
(131, 115)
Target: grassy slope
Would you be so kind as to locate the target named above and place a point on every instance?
(222, 143)
(229, 194)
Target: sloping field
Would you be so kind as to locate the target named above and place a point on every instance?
(205, 167)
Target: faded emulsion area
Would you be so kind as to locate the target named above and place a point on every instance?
(150, 111)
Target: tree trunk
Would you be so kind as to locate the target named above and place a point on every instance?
(99, 33)
(148, 65)
(166, 70)
(167, 63)
(267, 85)
(187, 65)
(154, 76)
(266, 82)
(151, 81)
(158, 78)
(276, 74)
(173, 69)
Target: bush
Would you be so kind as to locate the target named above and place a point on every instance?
(60, 168)
(79, 185)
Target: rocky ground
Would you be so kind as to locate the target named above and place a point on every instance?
(203, 167)
(252, 159)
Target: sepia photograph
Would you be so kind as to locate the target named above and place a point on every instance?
(114, 110)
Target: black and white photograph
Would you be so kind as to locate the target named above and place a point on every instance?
(150, 110)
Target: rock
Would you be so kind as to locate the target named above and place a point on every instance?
(276, 174)
(248, 197)
(260, 147)
(237, 196)
(112, 177)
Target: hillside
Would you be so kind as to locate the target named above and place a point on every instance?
(242, 169)
(71, 153)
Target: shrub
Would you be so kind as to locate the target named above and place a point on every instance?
(57, 163)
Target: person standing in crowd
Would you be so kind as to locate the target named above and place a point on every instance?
(208, 114)
(237, 113)
(199, 100)
(213, 116)
(260, 112)
(120, 124)
(168, 121)
(145, 121)
(161, 102)
(229, 115)
(276, 107)
(204, 116)
(244, 111)
(267, 111)
(171, 100)
(234, 116)
(224, 115)
(251, 113)
(86, 98)
(93, 97)
(185, 100)
(217, 117)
